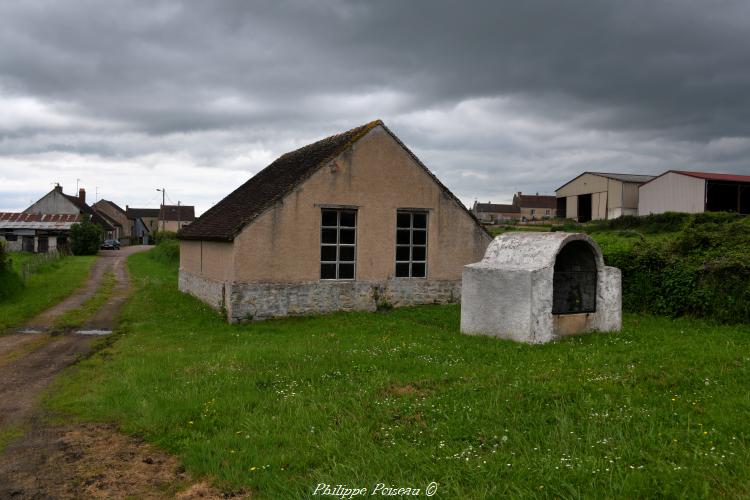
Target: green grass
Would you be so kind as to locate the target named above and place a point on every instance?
(51, 283)
(77, 317)
(19, 259)
(403, 398)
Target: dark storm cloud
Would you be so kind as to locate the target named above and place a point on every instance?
(529, 92)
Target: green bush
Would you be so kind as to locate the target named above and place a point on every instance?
(160, 236)
(85, 237)
(167, 249)
(10, 281)
(704, 271)
(655, 223)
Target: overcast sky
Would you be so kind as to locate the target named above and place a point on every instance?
(494, 97)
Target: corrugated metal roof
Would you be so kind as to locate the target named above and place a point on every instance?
(635, 178)
(15, 220)
(715, 177)
(625, 177)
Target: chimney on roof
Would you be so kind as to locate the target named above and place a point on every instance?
(519, 193)
(58, 187)
(82, 195)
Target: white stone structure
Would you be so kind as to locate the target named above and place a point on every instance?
(538, 287)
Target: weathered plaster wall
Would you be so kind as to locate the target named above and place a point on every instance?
(53, 203)
(208, 259)
(509, 294)
(378, 177)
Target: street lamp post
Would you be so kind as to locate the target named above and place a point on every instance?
(161, 212)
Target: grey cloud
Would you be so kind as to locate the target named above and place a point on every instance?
(557, 87)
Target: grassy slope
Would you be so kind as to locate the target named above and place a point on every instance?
(402, 397)
(50, 284)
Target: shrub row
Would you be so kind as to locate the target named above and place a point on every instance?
(704, 271)
(10, 282)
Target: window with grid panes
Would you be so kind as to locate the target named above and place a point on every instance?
(411, 244)
(338, 244)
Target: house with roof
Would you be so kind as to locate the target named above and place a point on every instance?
(495, 213)
(695, 192)
(146, 221)
(599, 195)
(57, 202)
(535, 206)
(354, 221)
(117, 217)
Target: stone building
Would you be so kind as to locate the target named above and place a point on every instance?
(495, 213)
(116, 217)
(535, 206)
(350, 222)
(144, 222)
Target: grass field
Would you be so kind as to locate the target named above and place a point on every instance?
(403, 398)
(51, 283)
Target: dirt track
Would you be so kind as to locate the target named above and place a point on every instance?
(75, 461)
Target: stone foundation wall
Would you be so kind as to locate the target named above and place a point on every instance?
(210, 291)
(256, 301)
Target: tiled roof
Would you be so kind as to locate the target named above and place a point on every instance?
(115, 205)
(186, 213)
(134, 213)
(83, 207)
(497, 208)
(536, 201)
(226, 219)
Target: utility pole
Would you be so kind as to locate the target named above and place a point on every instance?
(161, 212)
(179, 216)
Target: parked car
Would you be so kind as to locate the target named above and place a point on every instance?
(110, 245)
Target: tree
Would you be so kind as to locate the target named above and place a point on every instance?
(85, 237)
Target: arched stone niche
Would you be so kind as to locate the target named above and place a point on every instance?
(537, 287)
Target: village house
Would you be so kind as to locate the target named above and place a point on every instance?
(351, 222)
(144, 222)
(495, 213)
(117, 218)
(599, 195)
(535, 206)
(45, 225)
(524, 208)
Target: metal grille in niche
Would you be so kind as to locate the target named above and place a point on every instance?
(574, 281)
(338, 244)
(411, 244)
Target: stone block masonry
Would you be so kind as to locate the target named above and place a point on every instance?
(257, 301)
